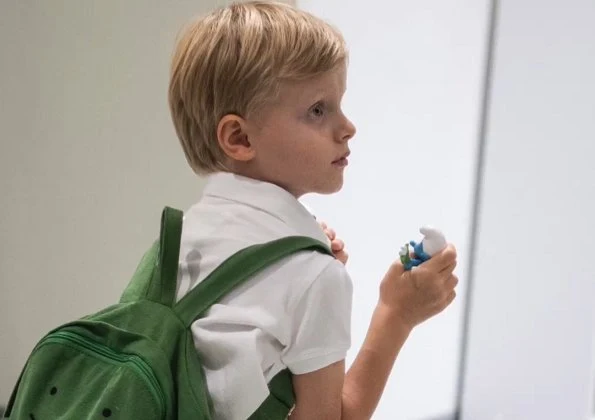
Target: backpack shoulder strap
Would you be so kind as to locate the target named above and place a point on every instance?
(237, 269)
(281, 399)
(155, 279)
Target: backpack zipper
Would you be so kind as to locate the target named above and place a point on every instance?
(290, 412)
(95, 349)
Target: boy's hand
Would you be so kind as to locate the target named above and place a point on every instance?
(337, 245)
(417, 295)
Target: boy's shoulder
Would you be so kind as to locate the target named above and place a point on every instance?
(260, 211)
(220, 228)
(235, 213)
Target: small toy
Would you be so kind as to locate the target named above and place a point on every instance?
(432, 243)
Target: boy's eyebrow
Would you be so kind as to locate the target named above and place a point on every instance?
(321, 93)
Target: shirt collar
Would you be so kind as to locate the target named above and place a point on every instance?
(267, 197)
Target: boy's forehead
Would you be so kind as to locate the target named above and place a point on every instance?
(327, 84)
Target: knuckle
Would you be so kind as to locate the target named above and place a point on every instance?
(395, 270)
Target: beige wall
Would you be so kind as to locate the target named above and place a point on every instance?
(88, 157)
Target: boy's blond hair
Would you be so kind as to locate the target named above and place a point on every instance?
(232, 61)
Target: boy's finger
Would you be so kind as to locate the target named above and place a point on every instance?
(330, 233)
(323, 225)
(451, 297)
(451, 282)
(396, 269)
(342, 256)
(450, 268)
(337, 245)
(443, 259)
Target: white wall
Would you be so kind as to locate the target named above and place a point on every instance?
(531, 333)
(414, 92)
(88, 157)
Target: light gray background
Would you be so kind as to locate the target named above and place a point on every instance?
(530, 351)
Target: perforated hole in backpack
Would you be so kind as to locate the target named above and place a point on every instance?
(54, 390)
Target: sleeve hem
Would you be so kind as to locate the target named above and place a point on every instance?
(315, 362)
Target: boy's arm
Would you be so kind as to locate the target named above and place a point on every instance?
(329, 393)
(406, 299)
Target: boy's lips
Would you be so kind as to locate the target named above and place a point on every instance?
(342, 158)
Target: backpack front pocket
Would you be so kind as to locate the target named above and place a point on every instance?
(70, 376)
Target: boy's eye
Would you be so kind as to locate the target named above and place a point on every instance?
(317, 110)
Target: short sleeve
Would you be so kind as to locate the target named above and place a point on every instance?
(321, 322)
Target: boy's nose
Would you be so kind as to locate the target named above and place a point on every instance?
(349, 130)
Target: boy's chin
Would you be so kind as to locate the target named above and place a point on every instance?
(330, 188)
(323, 188)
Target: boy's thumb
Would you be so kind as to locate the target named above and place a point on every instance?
(397, 268)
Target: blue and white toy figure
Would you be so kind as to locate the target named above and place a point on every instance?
(432, 243)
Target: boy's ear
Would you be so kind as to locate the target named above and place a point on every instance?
(233, 138)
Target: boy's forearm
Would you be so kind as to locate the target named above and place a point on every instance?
(367, 377)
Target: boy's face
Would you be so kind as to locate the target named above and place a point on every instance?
(300, 137)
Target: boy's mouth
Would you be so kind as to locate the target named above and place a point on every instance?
(342, 161)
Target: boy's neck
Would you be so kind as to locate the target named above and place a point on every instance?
(248, 171)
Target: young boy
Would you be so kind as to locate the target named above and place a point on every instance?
(255, 96)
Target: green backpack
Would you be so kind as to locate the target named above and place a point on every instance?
(136, 359)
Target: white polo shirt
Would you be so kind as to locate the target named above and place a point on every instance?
(295, 314)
